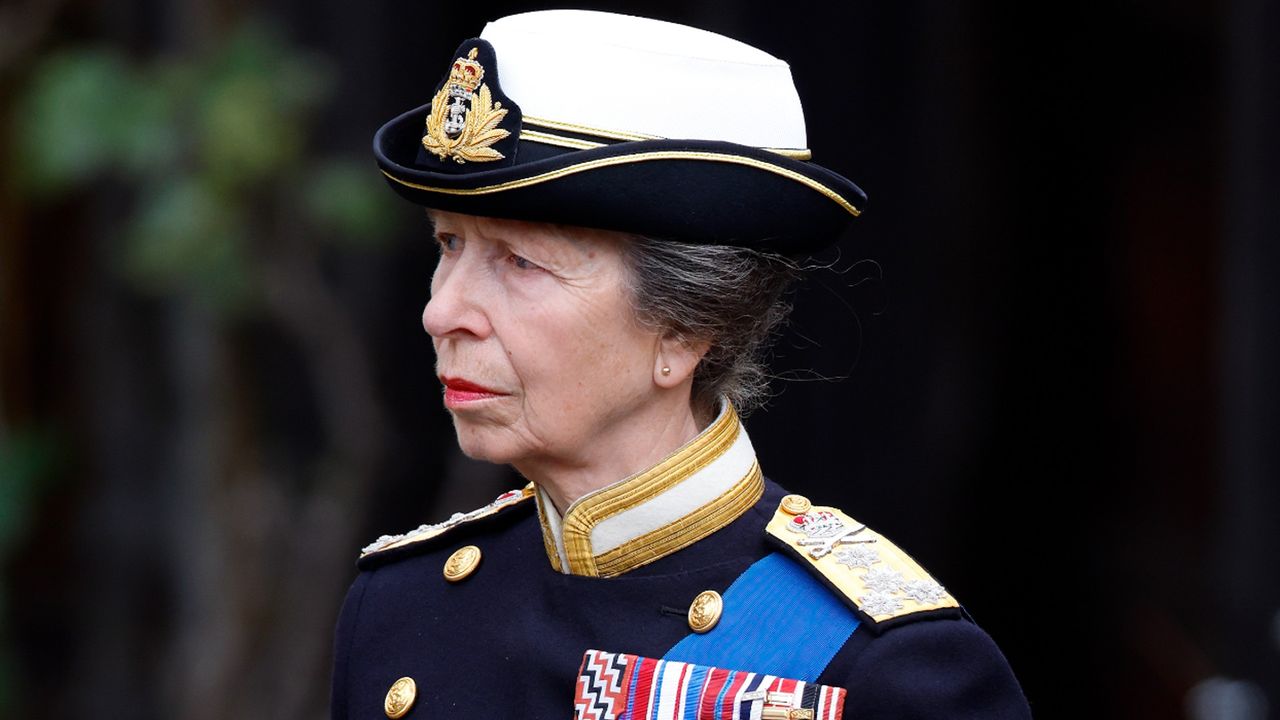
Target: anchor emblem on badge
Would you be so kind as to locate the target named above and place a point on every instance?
(464, 118)
(824, 532)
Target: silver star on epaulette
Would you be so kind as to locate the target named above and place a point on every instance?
(879, 603)
(858, 556)
(883, 579)
(925, 592)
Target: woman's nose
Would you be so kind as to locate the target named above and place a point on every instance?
(457, 306)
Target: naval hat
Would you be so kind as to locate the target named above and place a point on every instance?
(621, 123)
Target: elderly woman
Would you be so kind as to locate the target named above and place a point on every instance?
(614, 221)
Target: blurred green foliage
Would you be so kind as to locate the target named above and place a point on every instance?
(196, 168)
(215, 152)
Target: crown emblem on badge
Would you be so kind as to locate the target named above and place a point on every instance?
(817, 524)
(464, 118)
(466, 72)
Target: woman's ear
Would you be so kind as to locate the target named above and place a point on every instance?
(676, 360)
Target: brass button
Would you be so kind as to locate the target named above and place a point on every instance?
(704, 611)
(400, 697)
(796, 504)
(462, 563)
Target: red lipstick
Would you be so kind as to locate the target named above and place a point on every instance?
(459, 392)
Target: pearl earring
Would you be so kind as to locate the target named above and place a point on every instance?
(666, 370)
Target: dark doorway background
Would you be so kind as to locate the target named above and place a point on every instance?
(1044, 360)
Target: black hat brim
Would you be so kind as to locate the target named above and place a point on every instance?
(687, 190)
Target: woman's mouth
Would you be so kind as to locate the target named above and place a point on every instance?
(459, 392)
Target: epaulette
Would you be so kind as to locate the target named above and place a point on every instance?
(426, 532)
(880, 581)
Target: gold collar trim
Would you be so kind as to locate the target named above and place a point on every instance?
(698, 489)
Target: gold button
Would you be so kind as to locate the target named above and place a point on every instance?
(704, 611)
(400, 697)
(796, 504)
(462, 563)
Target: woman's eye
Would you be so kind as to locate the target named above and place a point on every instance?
(524, 263)
(448, 242)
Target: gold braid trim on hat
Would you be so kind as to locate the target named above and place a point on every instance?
(562, 141)
(635, 158)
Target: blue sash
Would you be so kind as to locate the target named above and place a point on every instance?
(778, 619)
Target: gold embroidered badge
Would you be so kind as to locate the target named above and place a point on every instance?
(464, 118)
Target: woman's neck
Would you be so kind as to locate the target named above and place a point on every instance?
(615, 453)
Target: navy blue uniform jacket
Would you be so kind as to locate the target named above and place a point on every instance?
(507, 641)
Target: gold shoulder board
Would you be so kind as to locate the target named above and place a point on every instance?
(426, 532)
(876, 577)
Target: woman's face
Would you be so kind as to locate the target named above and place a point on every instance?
(535, 338)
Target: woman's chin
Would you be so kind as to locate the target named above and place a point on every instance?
(486, 443)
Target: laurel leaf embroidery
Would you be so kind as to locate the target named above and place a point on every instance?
(490, 137)
(492, 122)
(435, 141)
(478, 133)
(480, 154)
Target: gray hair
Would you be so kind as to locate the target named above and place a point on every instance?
(729, 297)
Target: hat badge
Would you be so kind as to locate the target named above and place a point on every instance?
(464, 118)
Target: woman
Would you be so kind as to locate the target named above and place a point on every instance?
(614, 220)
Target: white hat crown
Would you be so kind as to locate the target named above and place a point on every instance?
(632, 76)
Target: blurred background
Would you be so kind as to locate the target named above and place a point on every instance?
(1045, 359)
